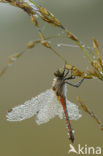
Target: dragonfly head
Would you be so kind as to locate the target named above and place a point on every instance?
(59, 73)
(59, 85)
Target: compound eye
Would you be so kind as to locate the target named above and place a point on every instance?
(59, 73)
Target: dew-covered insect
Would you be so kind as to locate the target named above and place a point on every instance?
(53, 102)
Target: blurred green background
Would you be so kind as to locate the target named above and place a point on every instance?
(33, 73)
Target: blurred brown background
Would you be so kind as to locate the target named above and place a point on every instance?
(33, 73)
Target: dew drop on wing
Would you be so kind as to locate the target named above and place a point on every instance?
(35, 106)
(45, 106)
(73, 111)
(29, 108)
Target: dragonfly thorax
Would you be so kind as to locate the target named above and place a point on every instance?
(59, 87)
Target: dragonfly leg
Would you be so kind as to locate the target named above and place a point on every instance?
(77, 84)
(70, 77)
(66, 74)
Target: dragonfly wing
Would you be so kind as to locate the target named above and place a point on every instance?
(51, 109)
(73, 111)
(45, 106)
(29, 108)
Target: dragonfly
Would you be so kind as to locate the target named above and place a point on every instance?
(50, 103)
